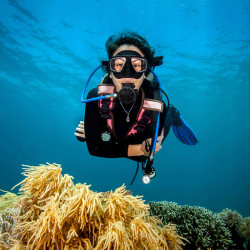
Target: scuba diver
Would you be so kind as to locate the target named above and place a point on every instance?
(125, 115)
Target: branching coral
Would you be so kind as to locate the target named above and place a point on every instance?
(243, 230)
(231, 218)
(201, 227)
(56, 214)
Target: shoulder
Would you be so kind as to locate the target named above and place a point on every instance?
(92, 104)
(92, 93)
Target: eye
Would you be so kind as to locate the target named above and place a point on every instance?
(118, 64)
(137, 64)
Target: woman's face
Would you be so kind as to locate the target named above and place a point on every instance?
(119, 82)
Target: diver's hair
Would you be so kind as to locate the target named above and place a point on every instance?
(132, 38)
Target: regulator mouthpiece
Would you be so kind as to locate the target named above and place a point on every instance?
(128, 94)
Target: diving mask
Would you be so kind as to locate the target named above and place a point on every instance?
(128, 64)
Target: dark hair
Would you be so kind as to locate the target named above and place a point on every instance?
(132, 38)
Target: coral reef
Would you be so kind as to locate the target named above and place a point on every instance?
(233, 220)
(53, 213)
(8, 212)
(203, 228)
(243, 230)
(7, 201)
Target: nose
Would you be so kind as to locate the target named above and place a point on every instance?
(128, 69)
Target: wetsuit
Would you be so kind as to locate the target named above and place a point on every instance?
(119, 141)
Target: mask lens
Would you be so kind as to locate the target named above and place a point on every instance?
(117, 63)
(139, 64)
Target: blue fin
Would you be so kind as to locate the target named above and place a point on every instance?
(184, 133)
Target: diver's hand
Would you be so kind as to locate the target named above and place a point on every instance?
(146, 145)
(80, 132)
(144, 148)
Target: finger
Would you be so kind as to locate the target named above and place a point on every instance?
(159, 139)
(81, 122)
(158, 148)
(149, 140)
(79, 135)
(80, 130)
(81, 126)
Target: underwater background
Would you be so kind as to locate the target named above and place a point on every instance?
(48, 50)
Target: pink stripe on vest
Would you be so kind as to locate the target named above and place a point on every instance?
(140, 115)
(109, 122)
(111, 103)
(133, 131)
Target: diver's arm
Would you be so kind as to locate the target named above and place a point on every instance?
(140, 149)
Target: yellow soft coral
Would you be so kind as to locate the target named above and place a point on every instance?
(56, 214)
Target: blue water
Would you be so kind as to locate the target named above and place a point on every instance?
(49, 48)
